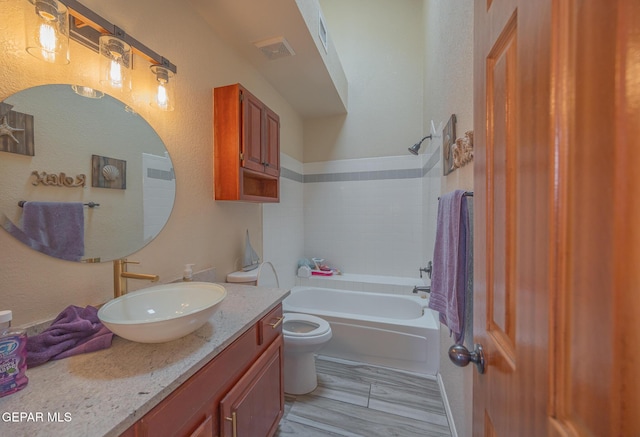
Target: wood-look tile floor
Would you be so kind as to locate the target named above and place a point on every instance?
(354, 399)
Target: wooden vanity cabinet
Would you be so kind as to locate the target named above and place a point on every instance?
(246, 147)
(241, 387)
(252, 407)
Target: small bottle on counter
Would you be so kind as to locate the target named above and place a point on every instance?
(187, 274)
(13, 356)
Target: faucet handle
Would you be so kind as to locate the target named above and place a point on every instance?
(125, 261)
(428, 270)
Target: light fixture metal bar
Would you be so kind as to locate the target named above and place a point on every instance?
(86, 27)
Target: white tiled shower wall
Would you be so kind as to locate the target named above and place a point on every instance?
(283, 223)
(365, 215)
(373, 216)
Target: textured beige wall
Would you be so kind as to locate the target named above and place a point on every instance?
(380, 45)
(448, 89)
(200, 230)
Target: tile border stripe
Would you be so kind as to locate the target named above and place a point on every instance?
(376, 175)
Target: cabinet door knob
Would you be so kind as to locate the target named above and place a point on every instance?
(277, 322)
(234, 426)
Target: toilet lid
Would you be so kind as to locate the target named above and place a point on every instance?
(265, 275)
(243, 277)
(304, 325)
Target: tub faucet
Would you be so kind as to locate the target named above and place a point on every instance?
(120, 275)
(426, 289)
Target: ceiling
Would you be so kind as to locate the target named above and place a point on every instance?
(303, 79)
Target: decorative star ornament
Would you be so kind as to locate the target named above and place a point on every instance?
(6, 130)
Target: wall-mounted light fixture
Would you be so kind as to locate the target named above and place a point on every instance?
(414, 149)
(115, 63)
(115, 46)
(164, 97)
(47, 31)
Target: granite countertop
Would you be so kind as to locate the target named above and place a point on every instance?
(103, 393)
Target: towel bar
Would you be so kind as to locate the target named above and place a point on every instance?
(89, 204)
(466, 194)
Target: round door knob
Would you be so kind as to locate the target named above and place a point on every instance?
(460, 356)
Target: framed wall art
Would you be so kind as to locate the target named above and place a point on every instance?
(108, 172)
(16, 131)
(448, 139)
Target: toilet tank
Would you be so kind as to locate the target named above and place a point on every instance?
(242, 277)
(264, 276)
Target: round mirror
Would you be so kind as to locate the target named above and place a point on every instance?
(81, 179)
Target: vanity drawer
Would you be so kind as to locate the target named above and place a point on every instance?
(270, 326)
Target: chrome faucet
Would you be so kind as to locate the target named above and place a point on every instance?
(426, 288)
(120, 275)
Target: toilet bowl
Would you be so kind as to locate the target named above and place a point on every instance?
(304, 335)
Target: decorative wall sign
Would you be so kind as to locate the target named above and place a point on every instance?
(58, 180)
(448, 138)
(463, 150)
(108, 172)
(16, 131)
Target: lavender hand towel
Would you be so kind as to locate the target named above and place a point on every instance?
(75, 331)
(58, 227)
(449, 279)
(19, 234)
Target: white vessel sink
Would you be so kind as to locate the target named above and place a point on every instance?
(163, 312)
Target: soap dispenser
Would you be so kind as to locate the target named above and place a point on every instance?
(187, 275)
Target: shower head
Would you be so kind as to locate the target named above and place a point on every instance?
(414, 149)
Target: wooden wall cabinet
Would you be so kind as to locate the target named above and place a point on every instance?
(238, 393)
(246, 147)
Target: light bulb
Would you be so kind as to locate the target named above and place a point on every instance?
(115, 74)
(162, 97)
(48, 41)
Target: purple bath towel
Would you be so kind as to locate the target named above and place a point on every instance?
(75, 331)
(57, 227)
(449, 280)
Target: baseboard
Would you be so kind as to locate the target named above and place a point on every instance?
(447, 407)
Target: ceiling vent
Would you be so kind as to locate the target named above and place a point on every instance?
(275, 48)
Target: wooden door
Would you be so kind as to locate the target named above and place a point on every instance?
(557, 244)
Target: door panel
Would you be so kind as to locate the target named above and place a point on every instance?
(272, 143)
(512, 171)
(252, 140)
(501, 188)
(557, 158)
(254, 406)
(594, 377)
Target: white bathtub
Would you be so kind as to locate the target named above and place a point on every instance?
(385, 329)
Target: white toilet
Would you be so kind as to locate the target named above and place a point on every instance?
(304, 334)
